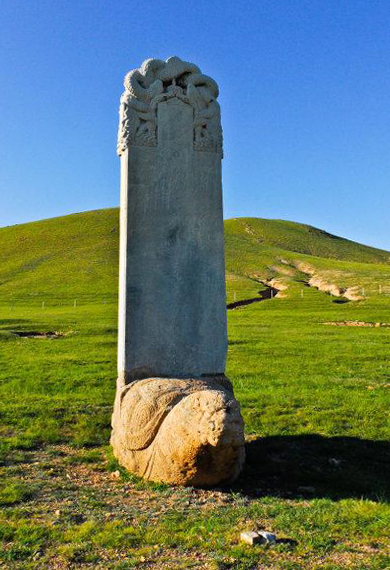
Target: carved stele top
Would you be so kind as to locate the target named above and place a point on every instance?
(157, 81)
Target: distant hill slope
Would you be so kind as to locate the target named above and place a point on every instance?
(76, 257)
(301, 238)
(67, 257)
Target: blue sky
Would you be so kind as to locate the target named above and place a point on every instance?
(305, 98)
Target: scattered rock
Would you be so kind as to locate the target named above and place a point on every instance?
(268, 537)
(251, 537)
(115, 475)
(258, 537)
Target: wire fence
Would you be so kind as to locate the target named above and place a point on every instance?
(45, 301)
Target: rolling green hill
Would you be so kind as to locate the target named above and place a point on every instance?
(301, 238)
(76, 257)
(310, 369)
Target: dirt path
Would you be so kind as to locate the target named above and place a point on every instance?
(317, 281)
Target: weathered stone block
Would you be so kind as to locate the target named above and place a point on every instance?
(181, 431)
(172, 339)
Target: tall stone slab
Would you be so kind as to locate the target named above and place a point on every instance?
(172, 339)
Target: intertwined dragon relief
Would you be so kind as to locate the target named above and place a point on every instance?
(157, 81)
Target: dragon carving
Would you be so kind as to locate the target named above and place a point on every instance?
(157, 81)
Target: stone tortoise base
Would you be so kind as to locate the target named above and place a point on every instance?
(179, 431)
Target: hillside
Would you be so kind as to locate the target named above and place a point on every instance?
(76, 257)
(301, 238)
(310, 369)
(66, 257)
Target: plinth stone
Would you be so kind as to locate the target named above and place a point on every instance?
(175, 417)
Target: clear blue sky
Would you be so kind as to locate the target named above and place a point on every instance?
(305, 97)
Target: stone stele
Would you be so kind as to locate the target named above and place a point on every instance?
(175, 416)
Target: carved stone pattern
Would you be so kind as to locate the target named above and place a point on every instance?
(183, 432)
(157, 81)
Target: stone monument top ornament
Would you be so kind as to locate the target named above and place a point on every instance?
(175, 416)
(156, 81)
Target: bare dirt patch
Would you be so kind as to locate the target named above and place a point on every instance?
(69, 488)
(357, 324)
(320, 283)
(38, 334)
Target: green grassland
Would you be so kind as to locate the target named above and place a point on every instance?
(315, 399)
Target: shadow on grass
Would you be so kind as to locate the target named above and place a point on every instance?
(312, 466)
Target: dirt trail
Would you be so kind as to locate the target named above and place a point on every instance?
(287, 270)
(315, 280)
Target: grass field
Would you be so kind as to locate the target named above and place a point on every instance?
(314, 396)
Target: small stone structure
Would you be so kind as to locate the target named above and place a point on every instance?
(175, 417)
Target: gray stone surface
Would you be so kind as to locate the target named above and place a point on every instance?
(172, 314)
(258, 537)
(175, 417)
